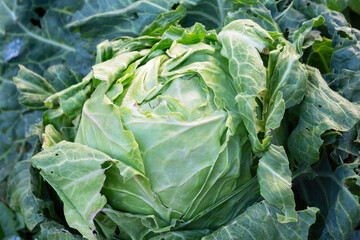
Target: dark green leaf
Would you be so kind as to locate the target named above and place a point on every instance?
(319, 104)
(328, 191)
(260, 220)
(33, 88)
(130, 17)
(21, 196)
(321, 54)
(54, 230)
(8, 223)
(164, 21)
(210, 13)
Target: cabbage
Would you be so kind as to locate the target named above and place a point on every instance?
(185, 133)
(176, 134)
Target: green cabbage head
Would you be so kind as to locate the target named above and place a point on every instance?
(174, 133)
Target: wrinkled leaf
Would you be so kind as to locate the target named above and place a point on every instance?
(275, 182)
(321, 110)
(260, 220)
(75, 172)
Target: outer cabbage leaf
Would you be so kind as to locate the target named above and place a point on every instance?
(345, 39)
(23, 195)
(287, 17)
(275, 182)
(69, 185)
(242, 40)
(339, 207)
(63, 84)
(33, 88)
(130, 17)
(164, 21)
(8, 223)
(260, 220)
(345, 213)
(277, 87)
(301, 33)
(286, 75)
(255, 11)
(346, 84)
(16, 141)
(210, 13)
(321, 110)
(75, 172)
(54, 230)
